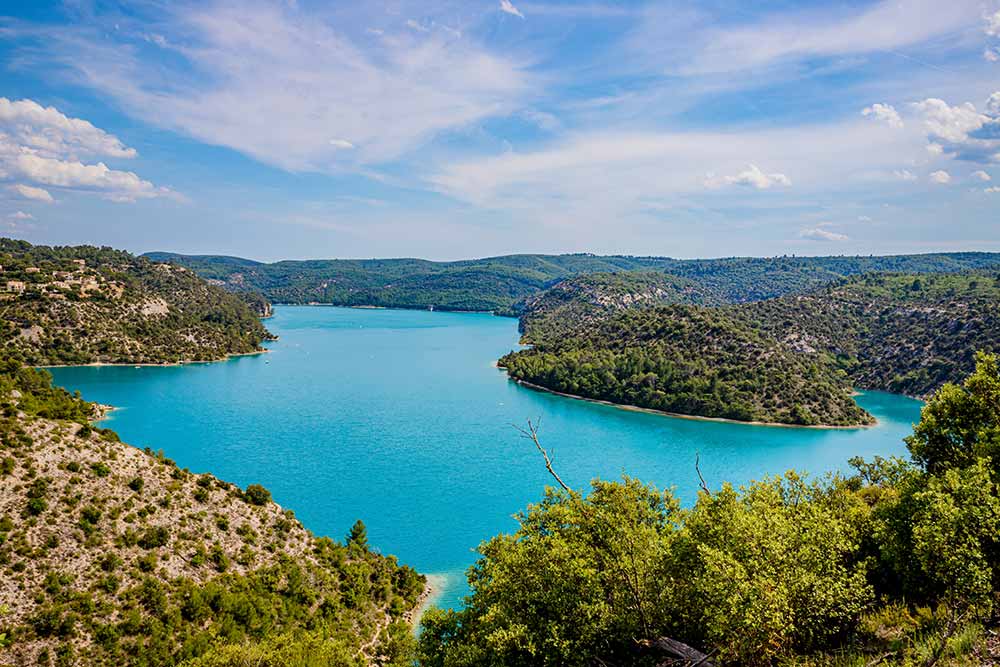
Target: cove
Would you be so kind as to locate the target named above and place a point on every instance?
(399, 418)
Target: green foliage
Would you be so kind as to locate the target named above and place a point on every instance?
(961, 423)
(755, 574)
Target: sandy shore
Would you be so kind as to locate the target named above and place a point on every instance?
(677, 415)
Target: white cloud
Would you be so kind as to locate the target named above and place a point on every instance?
(281, 99)
(587, 175)
(952, 124)
(751, 177)
(835, 31)
(935, 148)
(507, 7)
(36, 194)
(981, 175)
(993, 24)
(904, 175)
(820, 233)
(44, 146)
(21, 215)
(864, 218)
(885, 113)
(51, 133)
(993, 190)
(991, 54)
(342, 144)
(940, 177)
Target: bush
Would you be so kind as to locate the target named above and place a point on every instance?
(153, 537)
(257, 495)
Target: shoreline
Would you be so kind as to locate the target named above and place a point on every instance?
(164, 364)
(432, 592)
(678, 415)
(317, 304)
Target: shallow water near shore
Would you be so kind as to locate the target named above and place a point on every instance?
(400, 418)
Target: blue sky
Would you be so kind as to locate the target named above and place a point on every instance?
(295, 129)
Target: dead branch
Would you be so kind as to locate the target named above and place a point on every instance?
(531, 433)
(689, 656)
(701, 480)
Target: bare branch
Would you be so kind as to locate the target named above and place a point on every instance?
(531, 433)
(701, 480)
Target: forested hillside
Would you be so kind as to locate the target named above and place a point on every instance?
(71, 305)
(896, 565)
(499, 283)
(114, 556)
(791, 360)
(903, 333)
(688, 360)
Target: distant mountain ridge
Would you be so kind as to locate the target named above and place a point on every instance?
(500, 284)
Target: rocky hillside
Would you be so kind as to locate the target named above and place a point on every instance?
(903, 333)
(72, 305)
(580, 301)
(115, 556)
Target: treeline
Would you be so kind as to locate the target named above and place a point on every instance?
(897, 564)
(72, 305)
(499, 284)
(114, 556)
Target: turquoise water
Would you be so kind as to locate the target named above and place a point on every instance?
(399, 418)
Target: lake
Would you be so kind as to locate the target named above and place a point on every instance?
(400, 418)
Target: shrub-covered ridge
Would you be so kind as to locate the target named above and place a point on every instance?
(74, 305)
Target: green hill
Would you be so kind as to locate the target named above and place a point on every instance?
(72, 305)
(792, 359)
(115, 556)
(499, 283)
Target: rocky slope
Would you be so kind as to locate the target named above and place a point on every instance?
(111, 555)
(72, 305)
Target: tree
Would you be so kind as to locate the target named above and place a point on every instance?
(358, 535)
(960, 423)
